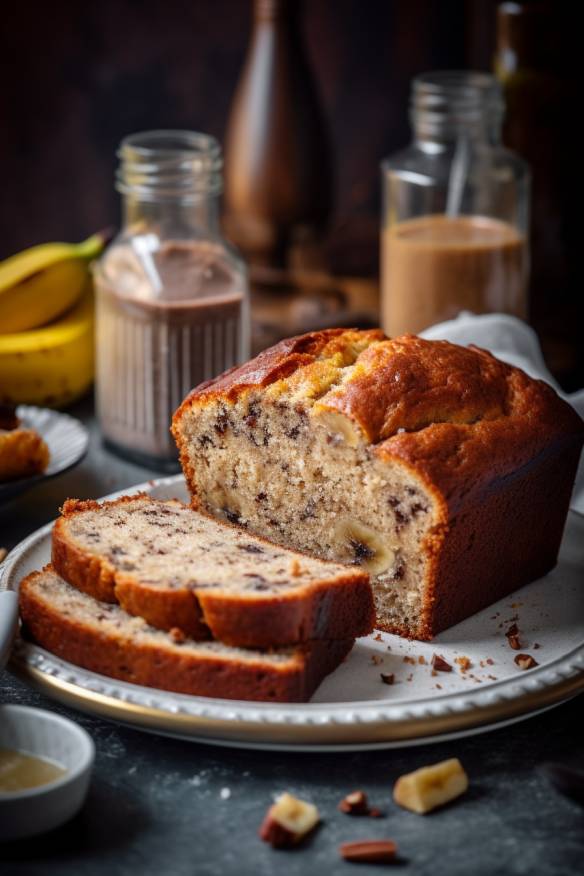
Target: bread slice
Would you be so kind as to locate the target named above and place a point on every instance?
(177, 568)
(105, 639)
(443, 471)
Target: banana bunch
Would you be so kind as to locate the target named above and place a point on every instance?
(46, 323)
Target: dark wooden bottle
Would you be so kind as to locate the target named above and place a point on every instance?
(278, 173)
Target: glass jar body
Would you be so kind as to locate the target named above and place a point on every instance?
(454, 227)
(172, 311)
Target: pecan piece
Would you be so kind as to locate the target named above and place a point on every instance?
(369, 851)
(440, 664)
(355, 803)
(525, 661)
(512, 636)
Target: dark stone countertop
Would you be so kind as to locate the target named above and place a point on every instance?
(170, 808)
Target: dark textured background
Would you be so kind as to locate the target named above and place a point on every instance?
(77, 77)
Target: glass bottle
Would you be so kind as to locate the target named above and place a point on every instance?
(456, 209)
(172, 295)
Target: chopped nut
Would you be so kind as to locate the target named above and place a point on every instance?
(288, 821)
(464, 662)
(376, 659)
(374, 812)
(422, 660)
(409, 660)
(432, 786)
(177, 635)
(295, 569)
(387, 677)
(355, 804)
(440, 664)
(525, 661)
(378, 637)
(369, 851)
(512, 636)
(514, 642)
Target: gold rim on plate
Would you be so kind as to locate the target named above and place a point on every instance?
(313, 734)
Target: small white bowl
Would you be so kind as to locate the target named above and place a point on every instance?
(43, 734)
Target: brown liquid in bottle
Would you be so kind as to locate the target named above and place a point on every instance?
(154, 347)
(435, 266)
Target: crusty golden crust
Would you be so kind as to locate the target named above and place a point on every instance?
(275, 363)
(171, 666)
(457, 415)
(480, 435)
(331, 609)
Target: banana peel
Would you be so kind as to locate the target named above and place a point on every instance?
(42, 283)
(50, 366)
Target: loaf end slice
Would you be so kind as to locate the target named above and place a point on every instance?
(178, 568)
(105, 639)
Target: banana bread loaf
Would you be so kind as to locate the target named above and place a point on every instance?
(105, 639)
(443, 471)
(177, 568)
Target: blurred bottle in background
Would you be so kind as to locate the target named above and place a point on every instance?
(455, 209)
(278, 166)
(536, 65)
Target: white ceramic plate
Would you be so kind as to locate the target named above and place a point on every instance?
(67, 440)
(353, 708)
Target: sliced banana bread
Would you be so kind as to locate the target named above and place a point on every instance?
(442, 470)
(105, 639)
(177, 568)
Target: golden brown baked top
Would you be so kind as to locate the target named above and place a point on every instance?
(457, 415)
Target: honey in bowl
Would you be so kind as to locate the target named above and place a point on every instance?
(20, 771)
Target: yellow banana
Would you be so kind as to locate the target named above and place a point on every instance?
(50, 366)
(41, 283)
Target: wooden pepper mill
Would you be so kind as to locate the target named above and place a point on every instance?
(278, 169)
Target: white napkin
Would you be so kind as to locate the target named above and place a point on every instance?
(515, 342)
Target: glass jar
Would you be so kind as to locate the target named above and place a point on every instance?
(455, 209)
(172, 295)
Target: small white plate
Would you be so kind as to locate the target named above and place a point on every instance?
(353, 708)
(67, 440)
(52, 737)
